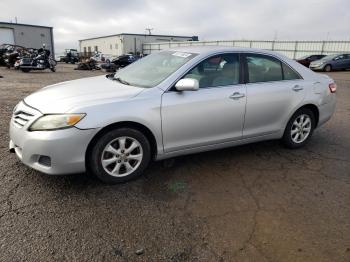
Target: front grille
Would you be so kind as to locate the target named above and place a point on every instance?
(21, 118)
(24, 115)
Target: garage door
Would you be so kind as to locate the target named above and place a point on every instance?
(6, 36)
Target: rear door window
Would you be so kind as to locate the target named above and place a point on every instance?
(262, 68)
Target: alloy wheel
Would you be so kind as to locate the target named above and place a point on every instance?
(301, 128)
(122, 156)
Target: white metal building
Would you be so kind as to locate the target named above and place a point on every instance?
(30, 36)
(124, 43)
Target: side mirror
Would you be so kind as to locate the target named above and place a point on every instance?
(187, 84)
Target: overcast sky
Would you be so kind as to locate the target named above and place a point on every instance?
(209, 19)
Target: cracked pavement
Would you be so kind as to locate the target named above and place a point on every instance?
(258, 202)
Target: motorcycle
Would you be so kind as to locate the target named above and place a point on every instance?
(40, 60)
(11, 58)
(9, 54)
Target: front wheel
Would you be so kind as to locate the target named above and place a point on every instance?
(299, 128)
(119, 155)
(328, 68)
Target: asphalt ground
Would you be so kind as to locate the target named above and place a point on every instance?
(258, 202)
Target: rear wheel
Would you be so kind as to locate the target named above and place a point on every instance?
(299, 128)
(327, 68)
(25, 70)
(119, 155)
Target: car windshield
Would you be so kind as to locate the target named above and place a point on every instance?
(153, 69)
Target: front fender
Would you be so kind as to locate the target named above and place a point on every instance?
(141, 110)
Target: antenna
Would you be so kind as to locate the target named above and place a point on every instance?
(149, 30)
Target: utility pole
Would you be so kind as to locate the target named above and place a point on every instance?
(149, 30)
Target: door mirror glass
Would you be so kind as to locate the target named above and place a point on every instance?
(187, 84)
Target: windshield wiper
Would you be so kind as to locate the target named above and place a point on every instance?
(121, 81)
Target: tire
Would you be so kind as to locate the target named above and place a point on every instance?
(25, 70)
(138, 158)
(293, 133)
(327, 68)
(53, 69)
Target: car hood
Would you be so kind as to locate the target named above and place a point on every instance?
(62, 97)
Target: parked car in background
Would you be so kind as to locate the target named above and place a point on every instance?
(332, 62)
(306, 60)
(119, 62)
(170, 103)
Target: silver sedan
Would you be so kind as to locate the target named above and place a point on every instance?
(167, 104)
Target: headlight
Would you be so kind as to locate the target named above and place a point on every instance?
(52, 122)
(318, 63)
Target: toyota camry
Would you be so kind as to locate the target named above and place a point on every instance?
(170, 103)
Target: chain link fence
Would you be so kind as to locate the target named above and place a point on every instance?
(292, 49)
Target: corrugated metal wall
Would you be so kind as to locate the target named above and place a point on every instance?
(292, 49)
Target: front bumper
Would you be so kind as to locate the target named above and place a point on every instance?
(51, 152)
(316, 68)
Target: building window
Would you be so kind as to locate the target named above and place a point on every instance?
(84, 50)
(116, 46)
(110, 46)
(89, 49)
(96, 48)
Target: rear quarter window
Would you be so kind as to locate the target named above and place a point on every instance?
(289, 73)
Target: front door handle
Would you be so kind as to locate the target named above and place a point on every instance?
(297, 88)
(237, 95)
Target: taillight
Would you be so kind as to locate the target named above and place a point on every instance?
(333, 87)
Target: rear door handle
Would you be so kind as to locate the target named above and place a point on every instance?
(297, 88)
(237, 95)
